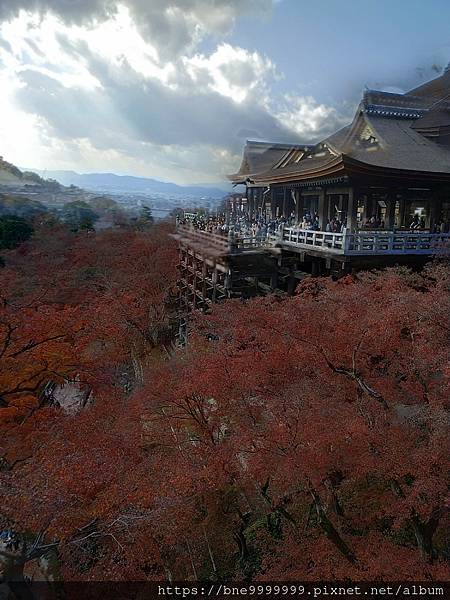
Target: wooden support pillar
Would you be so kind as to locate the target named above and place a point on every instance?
(274, 280)
(283, 212)
(369, 213)
(194, 282)
(247, 197)
(316, 267)
(214, 283)
(258, 193)
(204, 276)
(391, 201)
(407, 213)
(298, 206)
(402, 211)
(329, 208)
(435, 210)
(352, 209)
(273, 203)
(264, 198)
(322, 209)
(227, 282)
(292, 284)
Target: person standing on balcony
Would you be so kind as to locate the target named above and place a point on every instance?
(415, 222)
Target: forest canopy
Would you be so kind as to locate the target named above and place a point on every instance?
(294, 438)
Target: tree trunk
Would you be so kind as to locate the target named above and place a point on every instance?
(241, 542)
(330, 530)
(334, 500)
(14, 578)
(424, 533)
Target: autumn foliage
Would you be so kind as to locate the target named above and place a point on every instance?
(300, 438)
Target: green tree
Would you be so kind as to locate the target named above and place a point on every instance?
(145, 219)
(79, 215)
(146, 215)
(13, 231)
(21, 207)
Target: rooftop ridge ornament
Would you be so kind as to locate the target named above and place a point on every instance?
(390, 111)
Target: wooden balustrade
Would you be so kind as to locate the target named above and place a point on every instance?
(216, 241)
(368, 242)
(224, 243)
(310, 238)
(351, 244)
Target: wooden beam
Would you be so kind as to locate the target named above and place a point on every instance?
(322, 209)
(391, 202)
(352, 209)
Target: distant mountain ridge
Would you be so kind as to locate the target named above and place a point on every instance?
(110, 182)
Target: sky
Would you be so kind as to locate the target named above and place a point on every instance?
(171, 89)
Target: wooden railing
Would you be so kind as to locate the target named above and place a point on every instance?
(368, 242)
(351, 244)
(227, 243)
(250, 242)
(312, 239)
(397, 243)
(217, 242)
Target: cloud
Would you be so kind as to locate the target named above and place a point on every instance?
(144, 109)
(309, 119)
(173, 27)
(103, 98)
(233, 72)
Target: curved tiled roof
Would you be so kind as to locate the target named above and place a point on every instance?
(389, 131)
(434, 90)
(261, 156)
(401, 147)
(336, 140)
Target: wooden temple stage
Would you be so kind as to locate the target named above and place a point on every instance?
(214, 267)
(383, 181)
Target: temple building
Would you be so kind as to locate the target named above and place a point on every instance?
(373, 194)
(390, 166)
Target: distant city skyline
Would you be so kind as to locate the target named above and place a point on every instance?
(171, 89)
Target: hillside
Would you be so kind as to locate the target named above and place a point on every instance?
(12, 176)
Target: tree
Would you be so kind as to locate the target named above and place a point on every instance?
(81, 306)
(79, 215)
(304, 433)
(145, 219)
(13, 231)
(104, 204)
(85, 307)
(301, 438)
(21, 207)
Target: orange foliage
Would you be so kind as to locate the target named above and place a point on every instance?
(303, 438)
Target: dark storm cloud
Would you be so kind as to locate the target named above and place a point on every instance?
(144, 110)
(169, 25)
(180, 121)
(72, 11)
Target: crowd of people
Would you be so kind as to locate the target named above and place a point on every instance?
(257, 226)
(245, 226)
(260, 227)
(373, 222)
